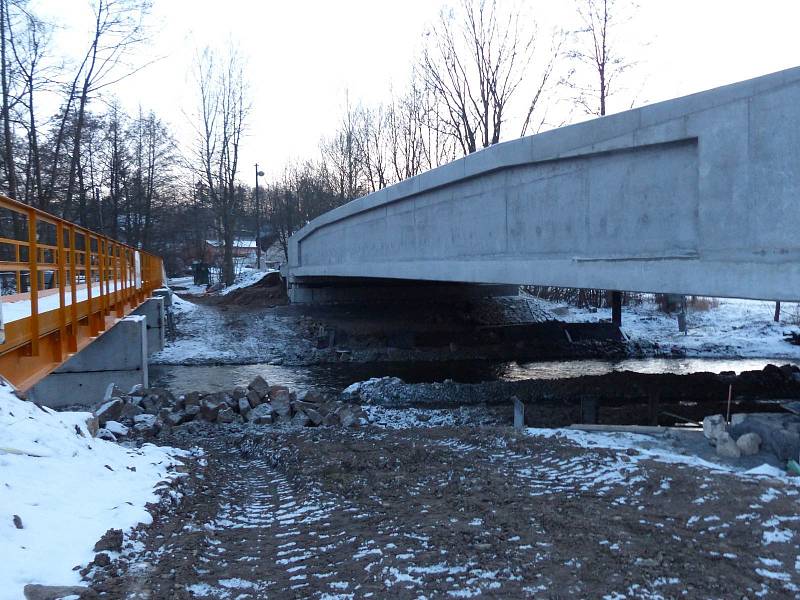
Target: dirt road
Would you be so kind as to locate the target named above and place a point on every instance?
(459, 512)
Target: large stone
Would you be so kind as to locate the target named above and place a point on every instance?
(310, 396)
(146, 424)
(749, 444)
(92, 425)
(261, 414)
(300, 419)
(349, 414)
(274, 390)
(110, 411)
(110, 542)
(192, 411)
(281, 402)
(226, 415)
(191, 399)
(105, 434)
(130, 410)
(239, 392)
(726, 447)
(254, 398)
(314, 416)
(118, 429)
(260, 386)
(779, 432)
(244, 406)
(210, 408)
(713, 426)
(34, 591)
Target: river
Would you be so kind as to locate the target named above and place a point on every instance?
(333, 378)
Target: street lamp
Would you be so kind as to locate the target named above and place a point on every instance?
(258, 221)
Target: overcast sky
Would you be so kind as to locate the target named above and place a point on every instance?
(304, 56)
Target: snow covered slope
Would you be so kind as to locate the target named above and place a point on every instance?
(68, 489)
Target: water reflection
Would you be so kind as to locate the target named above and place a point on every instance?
(334, 378)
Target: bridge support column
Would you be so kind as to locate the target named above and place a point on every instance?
(153, 309)
(118, 356)
(616, 308)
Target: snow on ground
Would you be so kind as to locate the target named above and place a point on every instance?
(733, 328)
(245, 279)
(68, 489)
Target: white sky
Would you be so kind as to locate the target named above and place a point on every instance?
(303, 56)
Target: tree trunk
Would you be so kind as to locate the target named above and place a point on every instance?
(777, 317)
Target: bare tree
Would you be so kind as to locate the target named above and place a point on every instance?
(222, 114)
(345, 161)
(118, 27)
(596, 48)
(474, 61)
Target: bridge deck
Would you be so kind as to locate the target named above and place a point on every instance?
(53, 312)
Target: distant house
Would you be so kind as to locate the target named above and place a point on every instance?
(244, 251)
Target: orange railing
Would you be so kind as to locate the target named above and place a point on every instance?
(62, 286)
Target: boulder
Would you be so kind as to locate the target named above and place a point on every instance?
(191, 399)
(311, 397)
(92, 425)
(130, 410)
(118, 429)
(110, 411)
(210, 408)
(105, 434)
(300, 419)
(146, 424)
(749, 444)
(260, 386)
(713, 426)
(239, 392)
(261, 414)
(254, 398)
(277, 389)
(281, 402)
(244, 406)
(314, 416)
(192, 411)
(726, 447)
(779, 432)
(226, 415)
(349, 414)
(137, 390)
(110, 542)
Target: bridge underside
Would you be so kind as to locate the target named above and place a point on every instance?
(697, 195)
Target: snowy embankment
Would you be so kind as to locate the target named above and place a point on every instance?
(61, 489)
(734, 328)
(246, 279)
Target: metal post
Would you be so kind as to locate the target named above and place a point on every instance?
(33, 269)
(616, 308)
(258, 221)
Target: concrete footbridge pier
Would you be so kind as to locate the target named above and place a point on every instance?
(85, 310)
(698, 195)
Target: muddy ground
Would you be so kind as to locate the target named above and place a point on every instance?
(456, 512)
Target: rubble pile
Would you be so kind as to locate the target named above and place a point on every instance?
(146, 411)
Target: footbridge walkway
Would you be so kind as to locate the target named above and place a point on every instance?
(697, 195)
(63, 286)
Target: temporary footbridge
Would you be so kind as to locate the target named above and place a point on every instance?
(62, 286)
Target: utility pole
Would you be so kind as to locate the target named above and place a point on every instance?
(258, 221)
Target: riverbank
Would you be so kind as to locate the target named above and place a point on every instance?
(459, 512)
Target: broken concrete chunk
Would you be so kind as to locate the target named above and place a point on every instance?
(130, 410)
(749, 444)
(726, 447)
(110, 411)
(713, 426)
(300, 419)
(277, 389)
(118, 429)
(105, 434)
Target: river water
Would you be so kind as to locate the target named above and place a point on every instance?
(334, 378)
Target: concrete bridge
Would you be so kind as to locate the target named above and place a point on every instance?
(697, 195)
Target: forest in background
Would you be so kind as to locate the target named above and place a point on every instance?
(486, 73)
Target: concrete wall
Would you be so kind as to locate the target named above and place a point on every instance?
(154, 310)
(698, 195)
(118, 356)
